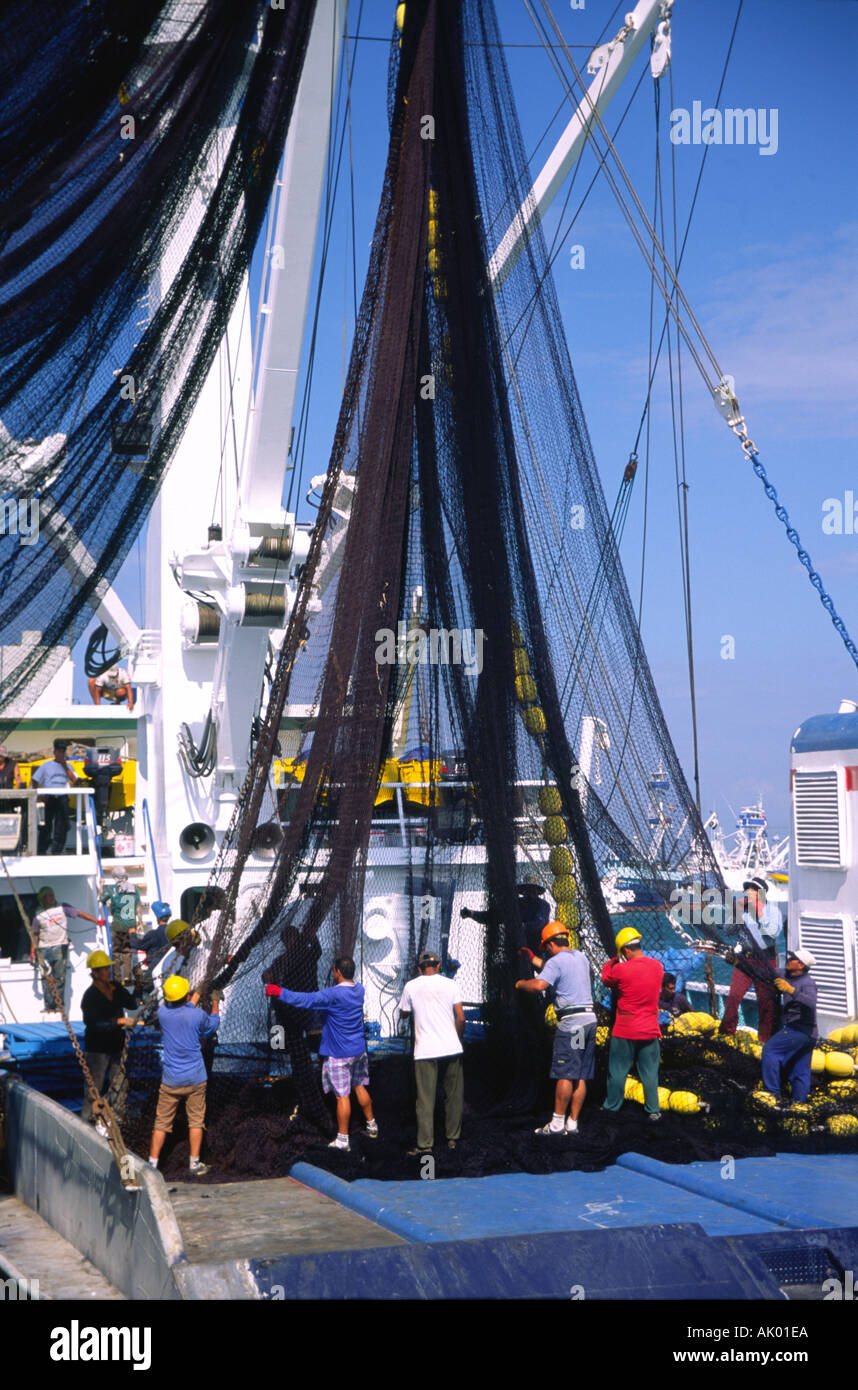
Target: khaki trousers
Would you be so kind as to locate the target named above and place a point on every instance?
(426, 1073)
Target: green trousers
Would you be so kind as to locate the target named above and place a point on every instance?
(624, 1053)
(426, 1074)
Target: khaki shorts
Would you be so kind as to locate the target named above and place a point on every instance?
(168, 1103)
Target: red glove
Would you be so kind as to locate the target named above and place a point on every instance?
(526, 951)
(101, 921)
(272, 990)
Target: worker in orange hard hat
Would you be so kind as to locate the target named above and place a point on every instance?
(573, 1062)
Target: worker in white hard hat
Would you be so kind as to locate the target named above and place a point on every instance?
(787, 1054)
(760, 926)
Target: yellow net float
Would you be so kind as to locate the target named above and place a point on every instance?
(817, 1061)
(843, 1087)
(551, 1016)
(695, 1023)
(534, 722)
(434, 258)
(845, 1036)
(567, 913)
(520, 661)
(684, 1102)
(602, 1035)
(515, 630)
(842, 1124)
(839, 1064)
(634, 1090)
(525, 689)
(560, 860)
(764, 1099)
(701, 1022)
(555, 830)
(564, 889)
(550, 801)
(796, 1125)
(663, 1098)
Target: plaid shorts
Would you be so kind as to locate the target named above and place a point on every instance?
(342, 1074)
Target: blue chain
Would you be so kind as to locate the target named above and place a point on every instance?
(792, 535)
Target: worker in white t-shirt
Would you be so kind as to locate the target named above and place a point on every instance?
(50, 936)
(435, 1004)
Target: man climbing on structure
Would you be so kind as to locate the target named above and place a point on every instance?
(343, 1046)
(50, 935)
(122, 898)
(573, 1060)
(636, 1031)
(184, 1026)
(154, 944)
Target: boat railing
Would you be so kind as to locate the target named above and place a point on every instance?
(19, 819)
(402, 820)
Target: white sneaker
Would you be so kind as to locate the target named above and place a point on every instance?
(372, 1129)
(571, 1126)
(341, 1142)
(549, 1129)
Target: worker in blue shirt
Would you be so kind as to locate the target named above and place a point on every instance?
(343, 1046)
(153, 942)
(183, 1028)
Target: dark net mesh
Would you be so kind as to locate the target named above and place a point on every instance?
(140, 145)
(458, 675)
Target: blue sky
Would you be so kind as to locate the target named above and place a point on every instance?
(770, 273)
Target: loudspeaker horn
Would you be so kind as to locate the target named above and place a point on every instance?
(266, 839)
(197, 840)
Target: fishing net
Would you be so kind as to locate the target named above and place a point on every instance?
(140, 145)
(459, 649)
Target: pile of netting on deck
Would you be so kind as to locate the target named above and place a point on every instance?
(711, 1097)
(139, 147)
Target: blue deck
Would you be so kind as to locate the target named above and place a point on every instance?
(788, 1192)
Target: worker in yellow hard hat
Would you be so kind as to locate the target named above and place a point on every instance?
(175, 933)
(635, 1035)
(183, 1028)
(105, 1007)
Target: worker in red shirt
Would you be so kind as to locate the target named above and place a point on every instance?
(636, 1032)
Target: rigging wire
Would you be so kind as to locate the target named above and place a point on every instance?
(682, 484)
(299, 443)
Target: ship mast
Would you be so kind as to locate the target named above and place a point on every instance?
(215, 597)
